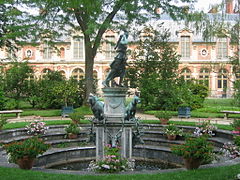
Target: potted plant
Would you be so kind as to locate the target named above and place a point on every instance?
(24, 152)
(3, 121)
(72, 131)
(236, 125)
(163, 117)
(194, 151)
(184, 110)
(172, 131)
(112, 162)
(76, 117)
(36, 128)
(205, 128)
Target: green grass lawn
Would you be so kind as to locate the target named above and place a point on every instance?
(60, 122)
(49, 112)
(210, 109)
(219, 173)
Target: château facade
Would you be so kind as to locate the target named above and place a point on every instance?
(201, 60)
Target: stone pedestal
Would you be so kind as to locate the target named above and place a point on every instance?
(114, 104)
(113, 128)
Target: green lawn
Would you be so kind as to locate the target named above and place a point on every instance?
(53, 122)
(211, 109)
(220, 173)
(60, 122)
(49, 112)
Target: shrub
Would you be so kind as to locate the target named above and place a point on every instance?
(163, 115)
(3, 121)
(31, 147)
(236, 123)
(195, 148)
(237, 141)
(171, 129)
(72, 128)
(76, 117)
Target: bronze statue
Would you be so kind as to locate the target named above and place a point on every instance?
(118, 66)
(131, 109)
(97, 107)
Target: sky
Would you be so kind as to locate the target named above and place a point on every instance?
(205, 4)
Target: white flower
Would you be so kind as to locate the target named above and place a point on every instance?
(106, 166)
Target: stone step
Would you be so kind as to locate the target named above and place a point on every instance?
(219, 141)
(69, 142)
(161, 142)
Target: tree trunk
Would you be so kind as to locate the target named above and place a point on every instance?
(89, 62)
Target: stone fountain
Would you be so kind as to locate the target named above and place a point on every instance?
(112, 120)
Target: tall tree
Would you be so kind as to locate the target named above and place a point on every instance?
(156, 68)
(13, 25)
(94, 17)
(16, 80)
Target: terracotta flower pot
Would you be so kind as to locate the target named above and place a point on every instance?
(25, 162)
(191, 163)
(164, 121)
(171, 137)
(72, 136)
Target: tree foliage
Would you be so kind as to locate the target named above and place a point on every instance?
(16, 80)
(154, 72)
(15, 26)
(93, 18)
(155, 65)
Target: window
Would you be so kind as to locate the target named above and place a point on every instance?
(78, 48)
(204, 77)
(222, 51)
(62, 52)
(110, 52)
(95, 74)
(28, 53)
(204, 52)
(78, 74)
(63, 73)
(222, 79)
(237, 74)
(186, 74)
(185, 46)
(47, 52)
(45, 71)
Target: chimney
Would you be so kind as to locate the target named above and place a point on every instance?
(229, 7)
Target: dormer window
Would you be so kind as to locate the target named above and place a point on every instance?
(185, 46)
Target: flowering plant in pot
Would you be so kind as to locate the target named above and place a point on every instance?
(194, 151)
(172, 131)
(112, 162)
(72, 130)
(205, 128)
(36, 128)
(163, 117)
(24, 152)
(76, 117)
